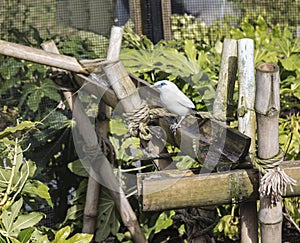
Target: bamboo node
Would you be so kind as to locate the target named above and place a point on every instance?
(274, 181)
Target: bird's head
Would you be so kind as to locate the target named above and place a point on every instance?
(164, 84)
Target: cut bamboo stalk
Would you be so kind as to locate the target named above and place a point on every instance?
(115, 41)
(247, 126)
(200, 190)
(40, 56)
(223, 104)
(267, 107)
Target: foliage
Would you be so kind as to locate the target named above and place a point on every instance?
(108, 221)
(228, 224)
(20, 189)
(282, 12)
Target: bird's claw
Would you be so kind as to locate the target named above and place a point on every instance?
(174, 127)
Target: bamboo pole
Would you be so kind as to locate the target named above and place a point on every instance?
(223, 104)
(119, 196)
(200, 190)
(247, 126)
(267, 107)
(40, 56)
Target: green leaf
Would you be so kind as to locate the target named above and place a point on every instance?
(34, 99)
(26, 221)
(74, 213)
(164, 221)
(107, 220)
(25, 234)
(80, 238)
(77, 168)
(62, 235)
(50, 90)
(24, 126)
(43, 239)
(38, 189)
(291, 63)
(9, 216)
(118, 127)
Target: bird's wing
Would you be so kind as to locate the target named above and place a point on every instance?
(184, 100)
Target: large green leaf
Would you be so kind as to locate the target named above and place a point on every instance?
(77, 168)
(62, 235)
(9, 215)
(26, 221)
(107, 221)
(23, 126)
(35, 188)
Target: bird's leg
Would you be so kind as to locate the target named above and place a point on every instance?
(176, 125)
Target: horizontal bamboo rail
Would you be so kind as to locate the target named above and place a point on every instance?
(40, 56)
(197, 190)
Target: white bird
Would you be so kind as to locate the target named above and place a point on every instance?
(174, 100)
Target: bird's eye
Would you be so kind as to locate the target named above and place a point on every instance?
(162, 84)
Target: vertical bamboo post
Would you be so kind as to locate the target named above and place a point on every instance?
(267, 107)
(119, 197)
(223, 104)
(247, 125)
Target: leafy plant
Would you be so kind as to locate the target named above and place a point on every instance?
(20, 189)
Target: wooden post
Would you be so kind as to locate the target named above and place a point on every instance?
(223, 104)
(267, 108)
(247, 126)
(136, 15)
(166, 18)
(104, 171)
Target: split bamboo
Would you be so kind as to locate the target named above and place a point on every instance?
(223, 104)
(267, 108)
(247, 126)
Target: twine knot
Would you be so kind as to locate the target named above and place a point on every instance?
(274, 181)
(137, 120)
